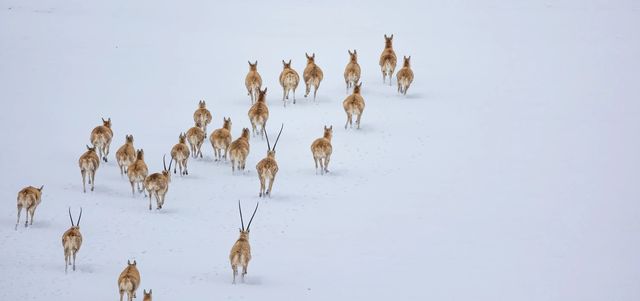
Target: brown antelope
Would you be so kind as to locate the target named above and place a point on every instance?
(158, 184)
(253, 81)
(289, 79)
(202, 116)
(126, 154)
(321, 149)
(268, 167)
(89, 163)
(28, 198)
(240, 254)
(147, 296)
(221, 139)
(352, 71)
(195, 137)
(71, 242)
(180, 154)
(101, 138)
(129, 281)
(259, 113)
(137, 172)
(354, 105)
(312, 75)
(239, 150)
(388, 59)
(405, 76)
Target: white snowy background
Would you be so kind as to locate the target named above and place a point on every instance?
(510, 171)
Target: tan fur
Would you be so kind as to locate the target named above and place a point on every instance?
(137, 172)
(195, 137)
(101, 138)
(180, 154)
(221, 139)
(147, 296)
(352, 71)
(321, 149)
(388, 59)
(289, 80)
(126, 154)
(239, 150)
(312, 75)
(253, 81)
(240, 255)
(89, 163)
(267, 169)
(158, 184)
(129, 281)
(259, 113)
(354, 105)
(405, 76)
(28, 198)
(202, 116)
(71, 242)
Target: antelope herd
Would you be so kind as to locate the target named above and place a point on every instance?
(131, 162)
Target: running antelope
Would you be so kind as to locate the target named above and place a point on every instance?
(129, 281)
(89, 163)
(259, 113)
(101, 138)
(388, 59)
(268, 167)
(137, 172)
(405, 76)
(195, 137)
(71, 242)
(180, 154)
(352, 71)
(253, 81)
(289, 80)
(239, 150)
(221, 139)
(158, 184)
(147, 296)
(240, 254)
(312, 75)
(29, 198)
(202, 116)
(354, 105)
(126, 154)
(321, 149)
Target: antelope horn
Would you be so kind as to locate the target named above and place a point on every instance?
(254, 214)
(170, 163)
(278, 138)
(241, 221)
(266, 135)
(71, 217)
(79, 217)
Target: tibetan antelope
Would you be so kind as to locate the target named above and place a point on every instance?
(101, 138)
(239, 150)
(253, 81)
(158, 184)
(354, 105)
(352, 71)
(137, 172)
(195, 137)
(259, 113)
(289, 80)
(221, 139)
(405, 76)
(240, 254)
(126, 154)
(89, 163)
(321, 149)
(202, 116)
(312, 75)
(268, 167)
(388, 59)
(180, 154)
(129, 281)
(147, 296)
(28, 198)
(71, 242)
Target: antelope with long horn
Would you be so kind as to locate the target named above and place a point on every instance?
(221, 139)
(312, 75)
(137, 172)
(259, 113)
(268, 167)
(158, 184)
(289, 80)
(239, 150)
(129, 281)
(321, 149)
(101, 138)
(195, 137)
(240, 254)
(253, 81)
(28, 198)
(354, 105)
(126, 154)
(71, 242)
(405, 76)
(352, 71)
(89, 163)
(180, 154)
(388, 59)
(202, 116)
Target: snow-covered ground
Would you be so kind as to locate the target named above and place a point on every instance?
(509, 171)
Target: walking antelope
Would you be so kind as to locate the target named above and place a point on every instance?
(89, 163)
(29, 198)
(129, 281)
(137, 172)
(268, 167)
(158, 184)
(147, 296)
(202, 116)
(352, 71)
(388, 59)
(240, 254)
(321, 149)
(259, 113)
(312, 75)
(253, 81)
(289, 80)
(239, 150)
(126, 154)
(354, 105)
(195, 137)
(221, 139)
(180, 154)
(71, 242)
(405, 76)
(101, 138)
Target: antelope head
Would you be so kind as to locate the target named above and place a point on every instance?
(407, 61)
(202, 104)
(262, 95)
(253, 67)
(140, 154)
(286, 65)
(310, 59)
(245, 133)
(356, 88)
(107, 122)
(182, 138)
(147, 296)
(91, 149)
(129, 138)
(388, 41)
(328, 132)
(353, 56)
(166, 171)
(227, 123)
(132, 264)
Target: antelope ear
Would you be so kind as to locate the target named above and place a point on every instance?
(331, 127)
(313, 55)
(265, 89)
(41, 187)
(249, 63)
(289, 61)
(349, 51)
(102, 119)
(305, 54)
(409, 58)
(128, 262)
(144, 292)
(88, 148)
(385, 36)
(283, 63)
(109, 120)
(150, 291)
(134, 262)
(391, 36)
(355, 51)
